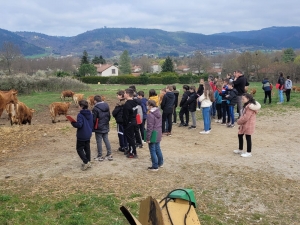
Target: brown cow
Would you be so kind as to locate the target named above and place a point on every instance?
(58, 108)
(77, 98)
(253, 91)
(7, 97)
(90, 100)
(19, 113)
(68, 94)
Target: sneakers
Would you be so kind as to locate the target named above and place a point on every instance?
(223, 123)
(109, 157)
(238, 151)
(181, 125)
(169, 134)
(132, 156)
(192, 127)
(218, 121)
(186, 125)
(246, 154)
(198, 109)
(86, 166)
(152, 169)
(204, 132)
(99, 158)
(161, 166)
(230, 125)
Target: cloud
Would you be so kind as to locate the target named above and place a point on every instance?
(69, 18)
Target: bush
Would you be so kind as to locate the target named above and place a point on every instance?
(26, 84)
(95, 79)
(170, 79)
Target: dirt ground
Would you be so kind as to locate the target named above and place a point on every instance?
(43, 156)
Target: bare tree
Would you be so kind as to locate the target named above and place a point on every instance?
(145, 64)
(9, 53)
(198, 62)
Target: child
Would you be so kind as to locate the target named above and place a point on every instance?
(288, 86)
(225, 106)
(267, 87)
(232, 101)
(153, 96)
(118, 115)
(167, 106)
(200, 92)
(161, 95)
(211, 81)
(129, 122)
(84, 125)
(218, 100)
(184, 107)
(144, 109)
(192, 105)
(101, 113)
(247, 123)
(206, 99)
(154, 123)
(176, 93)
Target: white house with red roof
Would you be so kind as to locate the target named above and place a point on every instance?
(106, 70)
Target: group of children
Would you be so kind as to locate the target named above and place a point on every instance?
(139, 120)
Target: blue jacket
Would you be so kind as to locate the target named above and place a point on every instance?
(84, 125)
(266, 85)
(144, 107)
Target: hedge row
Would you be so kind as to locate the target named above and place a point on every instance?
(169, 78)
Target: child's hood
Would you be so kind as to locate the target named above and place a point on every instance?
(102, 106)
(155, 111)
(255, 107)
(86, 113)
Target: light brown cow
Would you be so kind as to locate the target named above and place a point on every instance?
(19, 113)
(253, 91)
(7, 97)
(90, 100)
(58, 108)
(68, 94)
(77, 98)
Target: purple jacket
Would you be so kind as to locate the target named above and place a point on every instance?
(154, 123)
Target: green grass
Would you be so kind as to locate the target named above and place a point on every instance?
(74, 209)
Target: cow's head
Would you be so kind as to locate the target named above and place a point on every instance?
(14, 97)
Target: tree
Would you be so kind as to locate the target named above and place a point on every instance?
(198, 62)
(9, 53)
(288, 55)
(87, 70)
(167, 66)
(124, 63)
(98, 60)
(145, 64)
(85, 58)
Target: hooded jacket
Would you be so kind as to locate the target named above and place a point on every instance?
(176, 93)
(266, 85)
(168, 102)
(154, 122)
(155, 98)
(248, 119)
(239, 85)
(232, 98)
(101, 111)
(280, 83)
(118, 111)
(84, 125)
(129, 112)
(183, 102)
(192, 102)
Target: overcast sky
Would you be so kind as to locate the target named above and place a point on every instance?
(71, 17)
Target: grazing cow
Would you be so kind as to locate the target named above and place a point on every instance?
(19, 113)
(68, 94)
(7, 97)
(297, 89)
(294, 88)
(77, 98)
(90, 100)
(58, 108)
(253, 91)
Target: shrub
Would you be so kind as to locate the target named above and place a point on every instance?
(169, 79)
(94, 79)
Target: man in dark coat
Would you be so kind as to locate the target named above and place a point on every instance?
(101, 116)
(184, 107)
(167, 106)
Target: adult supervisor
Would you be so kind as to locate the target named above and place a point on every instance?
(239, 83)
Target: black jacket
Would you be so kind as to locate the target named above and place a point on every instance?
(118, 111)
(239, 85)
(129, 112)
(192, 102)
(176, 93)
(167, 103)
(200, 90)
(233, 93)
(183, 102)
(101, 111)
(280, 82)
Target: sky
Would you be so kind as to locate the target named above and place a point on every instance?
(71, 17)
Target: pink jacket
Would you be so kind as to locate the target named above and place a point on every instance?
(248, 120)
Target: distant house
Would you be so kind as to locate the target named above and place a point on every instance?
(106, 70)
(136, 69)
(156, 68)
(182, 69)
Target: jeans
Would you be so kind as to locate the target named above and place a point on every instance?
(231, 113)
(280, 95)
(239, 106)
(184, 111)
(241, 142)
(99, 137)
(268, 94)
(225, 111)
(213, 109)
(156, 155)
(122, 139)
(84, 150)
(167, 122)
(288, 94)
(206, 118)
(193, 115)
